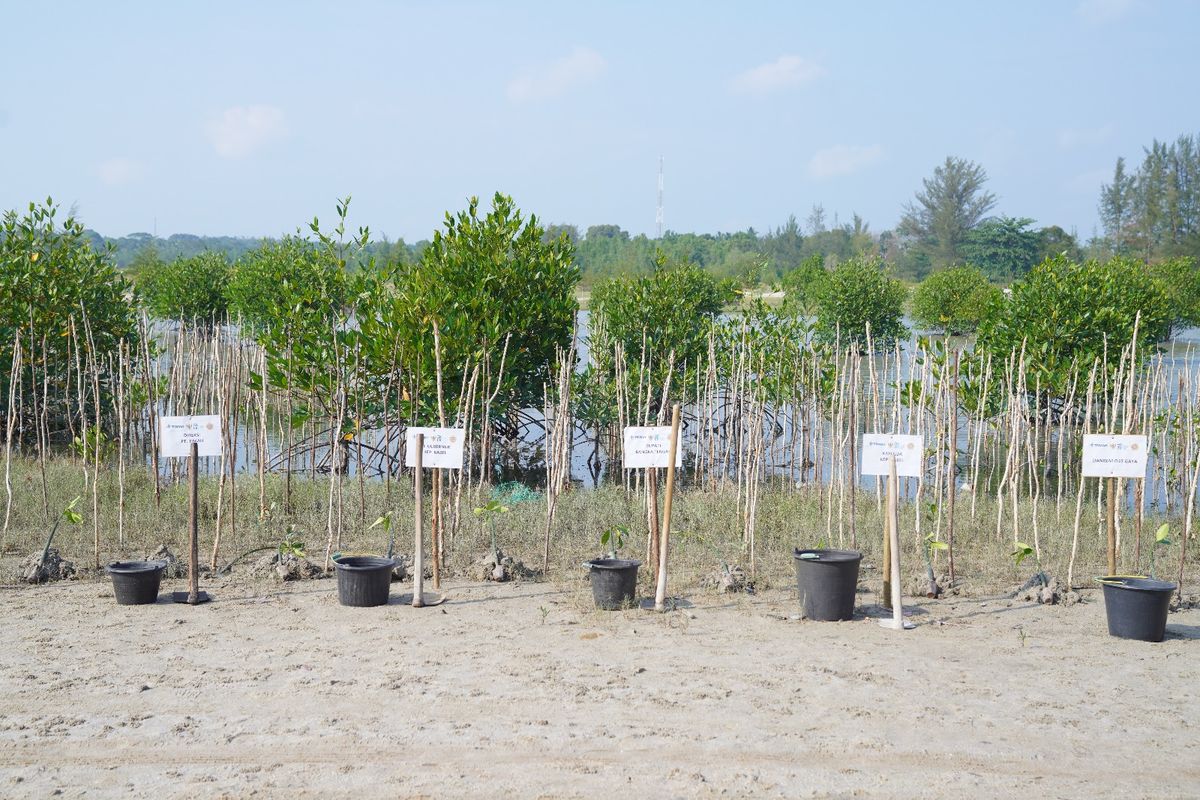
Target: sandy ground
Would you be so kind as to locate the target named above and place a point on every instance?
(523, 691)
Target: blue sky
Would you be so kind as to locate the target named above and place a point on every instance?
(250, 118)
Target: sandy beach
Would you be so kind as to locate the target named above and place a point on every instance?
(522, 690)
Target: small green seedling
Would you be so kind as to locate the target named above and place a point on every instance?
(545, 613)
(932, 545)
(385, 521)
(71, 516)
(488, 513)
(614, 539)
(1023, 551)
(1161, 539)
(291, 545)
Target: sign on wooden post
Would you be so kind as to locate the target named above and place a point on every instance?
(879, 449)
(1114, 456)
(191, 437)
(893, 455)
(1111, 456)
(443, 447)
(176, 435)
(648, 447)
(433, 448)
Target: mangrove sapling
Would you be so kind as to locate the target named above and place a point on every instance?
(385, 520)
(72, 517)
(290, 545)
(613, 538)
(1023, 551)
(1161, 539)
(488, 515)
(931, 546)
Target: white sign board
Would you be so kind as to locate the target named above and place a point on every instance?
(443, 447)
(648, 447)
(878, 450)
(1114, 456)
(176, 435)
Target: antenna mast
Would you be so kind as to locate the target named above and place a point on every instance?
(659, 216)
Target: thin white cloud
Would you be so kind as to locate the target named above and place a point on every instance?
(119, 171)
(785, 72)
(1100, 11)
(240, 130)
(843, 159)
(581, 67)
(1071, 138)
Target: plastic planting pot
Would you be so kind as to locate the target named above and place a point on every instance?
(827, 581)
(135, 583)
(364, 580)
(614, 582)
(1137, 607)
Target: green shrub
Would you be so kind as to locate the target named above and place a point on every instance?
(672, 309)
(192, 289)
(69, 306)
(857, 293)
(953, 300)
(802, 285)
(1067, 313)
(1181, 279)
(287, 283)
(485, 281)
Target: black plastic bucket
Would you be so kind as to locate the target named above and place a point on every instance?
(827, 583)
(364, 580)
(614, 582)
(1137, 607)
(135, 583)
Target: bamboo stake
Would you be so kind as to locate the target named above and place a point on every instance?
(660, 594)
(418, 599)
(893, 566)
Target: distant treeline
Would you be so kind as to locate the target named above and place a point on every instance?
(1004, 249)
(1151, 212)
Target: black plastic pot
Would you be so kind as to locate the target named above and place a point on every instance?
(614, 582)
(1137, 607)
(135, 583)
(364, 580)
(827, 583)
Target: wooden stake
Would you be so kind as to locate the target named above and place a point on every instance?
(435, 527)
(952, 469)
(418, 562)
(652, 517)
(886, 597)
(194, 525)
(660, 595)
(897, 620)
(1112, 526)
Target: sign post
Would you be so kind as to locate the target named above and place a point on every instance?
(648, 448)
(191, 437)
(437, 448)
(1112, 456)
(418, 497)
(893, 455)
(672, 456)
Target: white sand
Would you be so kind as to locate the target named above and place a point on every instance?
(279, 692)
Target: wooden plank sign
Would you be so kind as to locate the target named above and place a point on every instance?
(649, 447)
(1109, 456)
(879, 449)
(443, 448)
(176, 435)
